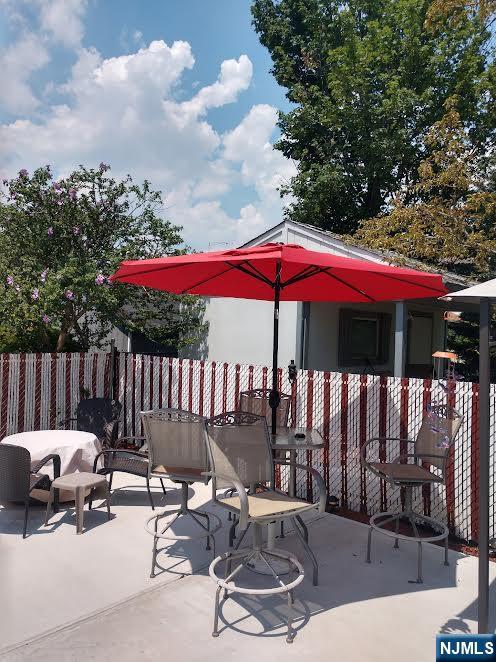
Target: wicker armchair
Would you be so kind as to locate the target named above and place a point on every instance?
(426, 465)
(99, 416)
(19, 476)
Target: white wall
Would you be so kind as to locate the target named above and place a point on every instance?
(240, 331)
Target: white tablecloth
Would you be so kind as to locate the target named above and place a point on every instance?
(77, 450)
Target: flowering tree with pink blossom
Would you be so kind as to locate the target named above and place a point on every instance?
(61, 239)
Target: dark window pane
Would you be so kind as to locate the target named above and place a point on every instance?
(364, 338)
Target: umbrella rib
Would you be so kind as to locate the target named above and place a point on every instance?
(404, 280)
(352, 287)
(307, 272)
(253, 274)
(206, 280)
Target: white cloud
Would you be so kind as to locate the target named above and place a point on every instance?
(17, 64)
(63, 20)
(122, 110)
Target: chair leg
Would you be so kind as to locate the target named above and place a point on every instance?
(149, 493)
(26, 514)
(446, 562)
(163, 486)
(282, 529)
(396, 540)
(49, 504)
(215, 632)
(109, 514)
(369, 544)
(309, 552)
(110, 480)
(419, 564)
(154, 551)
(290, 634)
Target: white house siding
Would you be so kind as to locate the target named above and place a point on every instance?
(240, 331)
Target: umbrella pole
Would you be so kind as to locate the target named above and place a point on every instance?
(274, 395)
(484, 413)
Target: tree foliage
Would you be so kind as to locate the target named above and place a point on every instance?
(447, 219)
(367, 79)
(60, 240)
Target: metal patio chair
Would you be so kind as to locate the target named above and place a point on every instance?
(99, 416)
(256, 401)
(177, 451)
(241, 457)
(426, 465)
(19, 476)
(128, 461)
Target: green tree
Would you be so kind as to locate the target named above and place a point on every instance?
(60, 240)
(367, 78)
(447, 220)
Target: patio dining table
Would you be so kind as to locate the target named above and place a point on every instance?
(77, 451)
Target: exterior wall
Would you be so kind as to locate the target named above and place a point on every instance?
(240, 331)
(323, 337)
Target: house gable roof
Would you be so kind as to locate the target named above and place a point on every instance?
(336, 244)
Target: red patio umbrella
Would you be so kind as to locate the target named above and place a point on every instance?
(280, 272)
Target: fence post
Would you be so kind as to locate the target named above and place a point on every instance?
(112, 369)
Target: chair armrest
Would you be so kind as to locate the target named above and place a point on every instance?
(243, 497)
(131, 438)
(56, 464)
(116, 451)
(317, 477)
(363, 451)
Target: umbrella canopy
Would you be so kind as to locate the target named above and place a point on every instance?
(484, 293)
(304, 275)
(280, 272)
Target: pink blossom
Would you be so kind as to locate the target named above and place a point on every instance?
(72, 194)
(10, 280)
(100, 279)
(35, 294)
(76, 230)
(44, 275)
(50, 231)
(46, 319)
(69, 294)
(23, 173)
(57, 186)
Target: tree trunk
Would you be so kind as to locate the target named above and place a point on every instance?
(61, 340)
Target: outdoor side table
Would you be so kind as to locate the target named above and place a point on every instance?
(79, 483)
(285, 440)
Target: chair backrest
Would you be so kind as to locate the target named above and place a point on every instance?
(15, 466)
(176, 443)
(95, 414)
(256, 401)
(437, 434)
(239, 448)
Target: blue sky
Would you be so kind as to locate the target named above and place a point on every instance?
(178, 91)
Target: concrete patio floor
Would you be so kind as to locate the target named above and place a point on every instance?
(89, 597)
